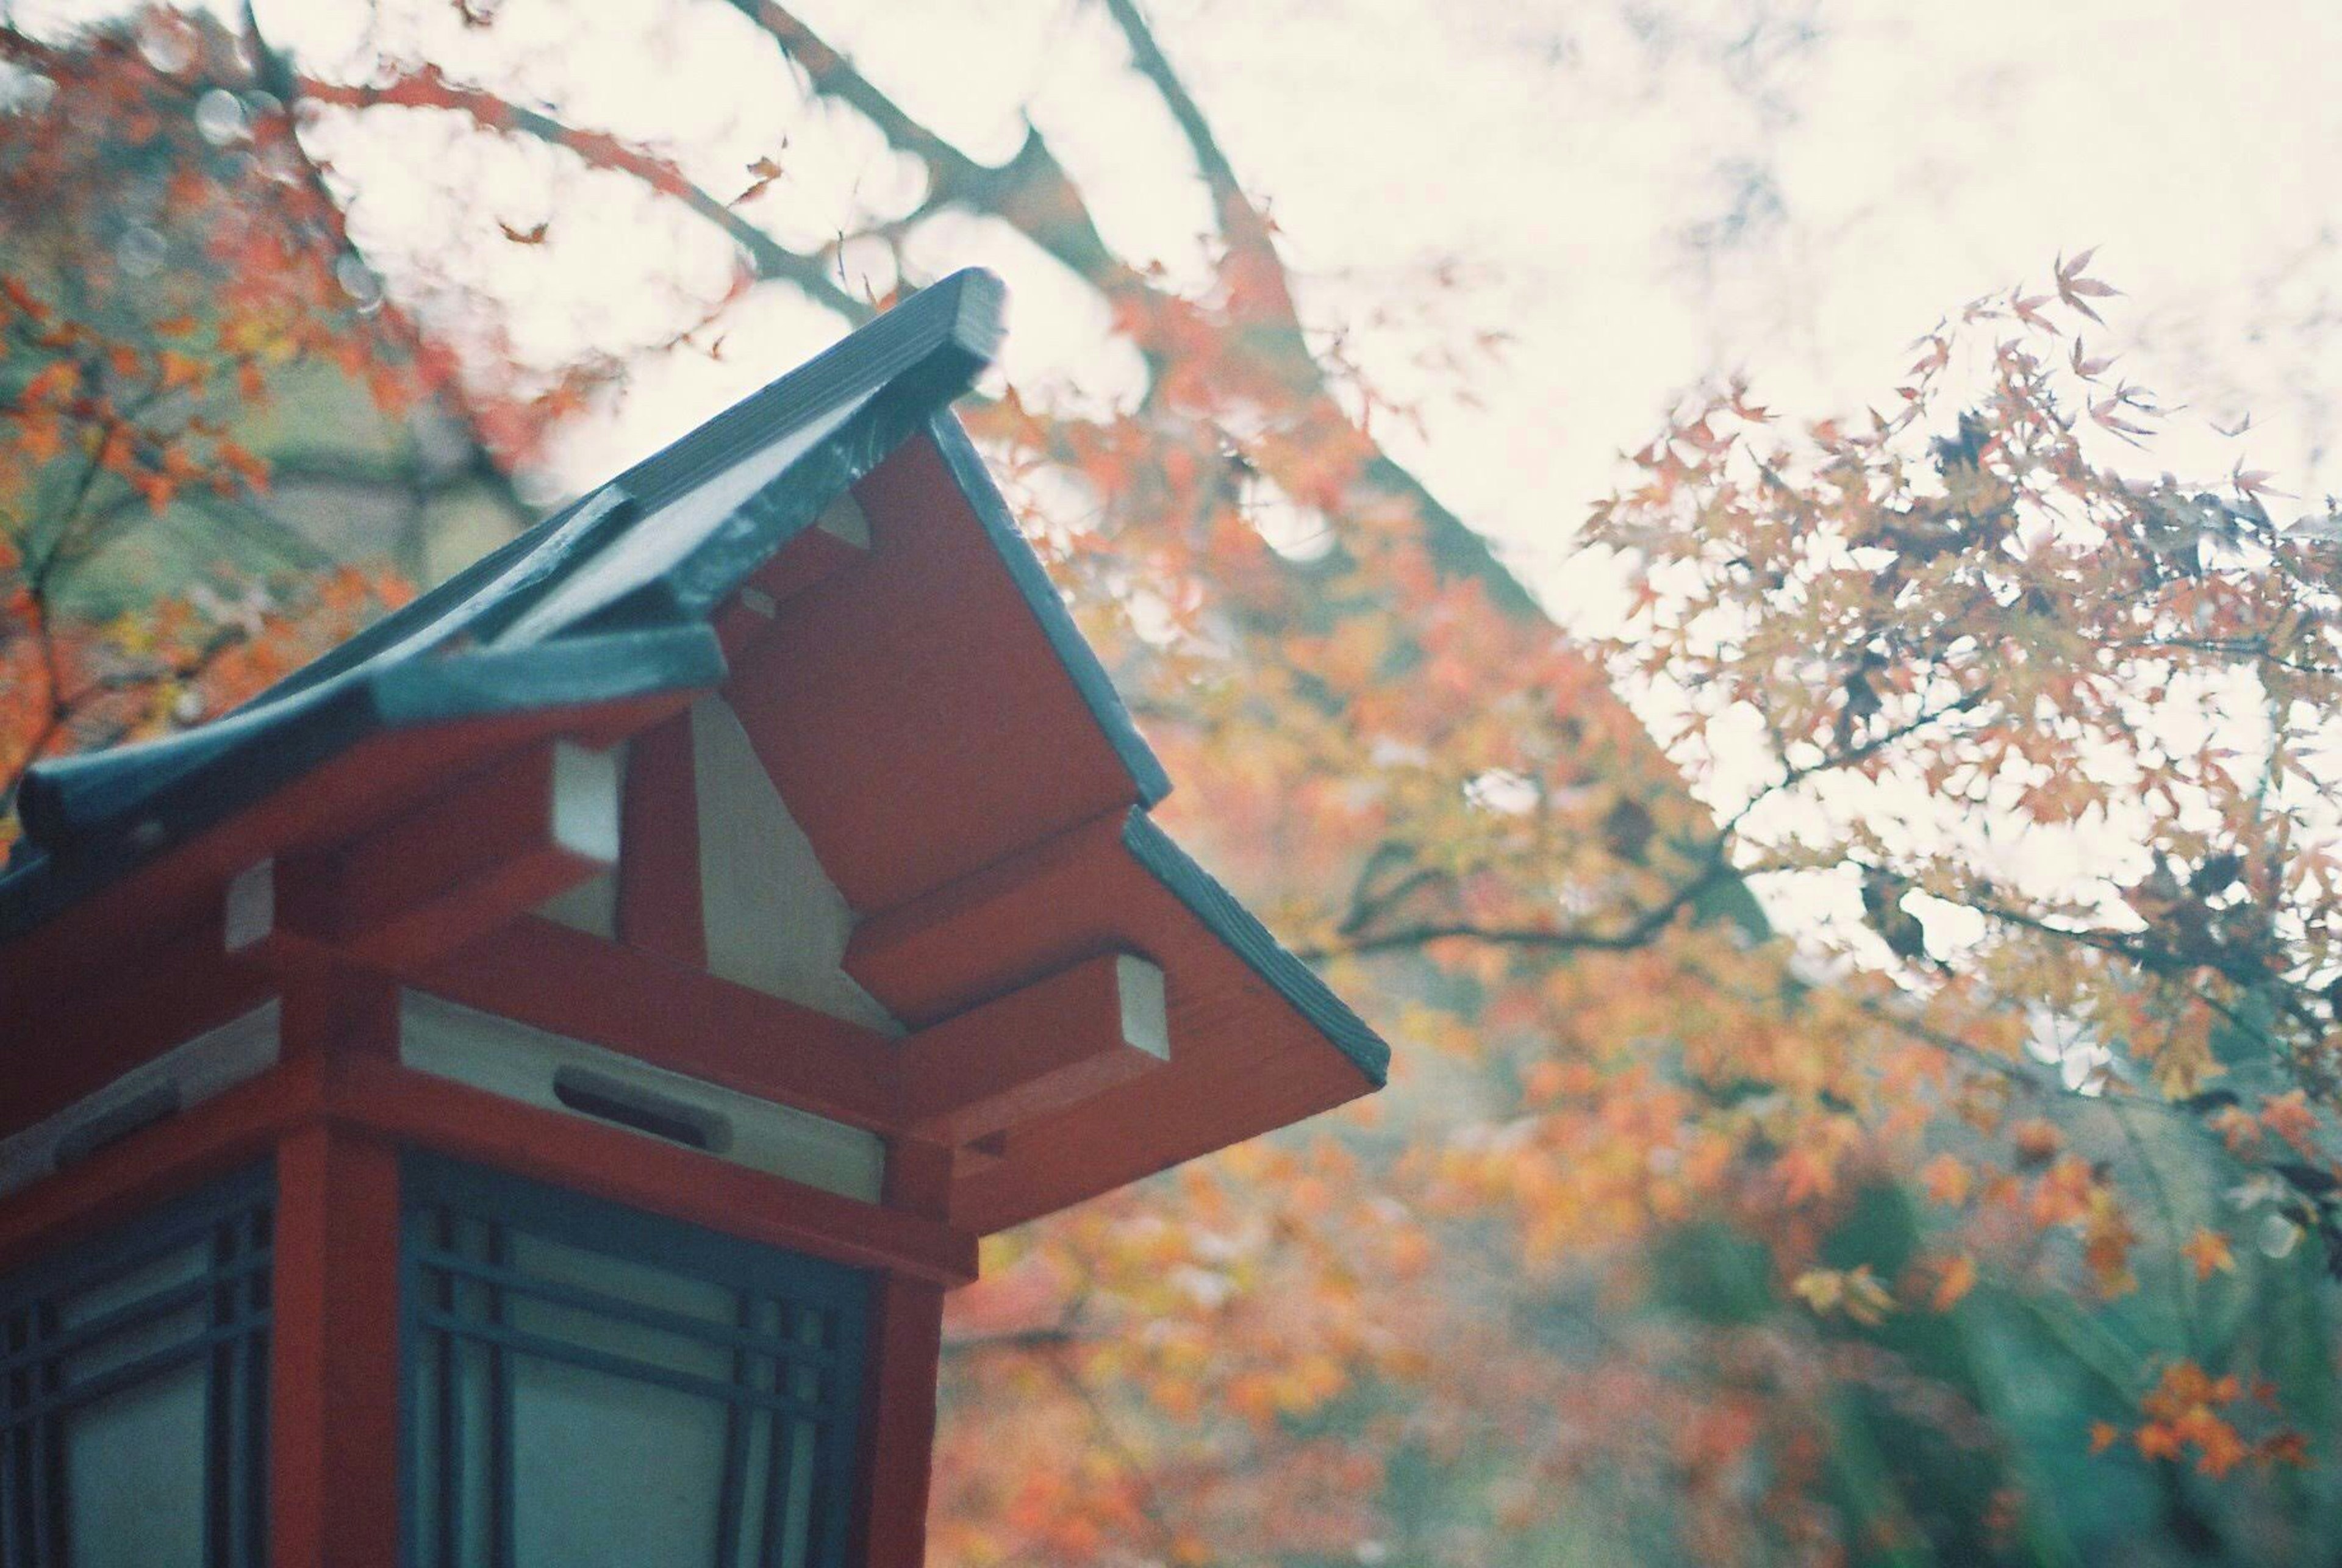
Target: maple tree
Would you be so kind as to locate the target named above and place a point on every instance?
(1978, 1204)
(124, 385)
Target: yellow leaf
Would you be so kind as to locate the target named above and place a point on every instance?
(1820, 1289)
(1855, 1292)
(1867, 1302)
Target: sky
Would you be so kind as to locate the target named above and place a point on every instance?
(1662, 193)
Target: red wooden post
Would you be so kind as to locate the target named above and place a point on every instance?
(658, 868)
(898, 1421)
(899, 1379)
(333, 1481)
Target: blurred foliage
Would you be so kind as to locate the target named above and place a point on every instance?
(1991, 1215)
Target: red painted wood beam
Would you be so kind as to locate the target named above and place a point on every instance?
(984, 1154)
(461, 862)
(673, 1016)
(182, 884)
(920, 1178)
(937, 955)
(473, 1124)
(1036, 1051)
(1029, 1054)
(339, 1011)
(1245, 1061)
(156, 1164)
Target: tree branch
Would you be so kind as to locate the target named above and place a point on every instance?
(1242, 225)
(428, 89)
(1634, 933)
(1033, 194)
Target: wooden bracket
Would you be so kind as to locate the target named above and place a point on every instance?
(1036, 1050)
(462, 862)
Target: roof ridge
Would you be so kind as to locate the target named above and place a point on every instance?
(959, 316)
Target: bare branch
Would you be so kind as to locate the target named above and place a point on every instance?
(428, 88)
(1635, 933)
(1244, 225)
(1033, 194)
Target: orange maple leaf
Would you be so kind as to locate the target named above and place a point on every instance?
(2289, 1116)
(179, 370)
(1957, 1278)
(2218, 1448)
(765, 170)
(1947, 1179)
(42, 437)
(57, 379)
(2208, 1251)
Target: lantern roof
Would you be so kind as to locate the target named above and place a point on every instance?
(829, 557)
(608, 598)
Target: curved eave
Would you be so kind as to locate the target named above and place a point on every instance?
(186, 790)
(1292, 980)
(909, 680)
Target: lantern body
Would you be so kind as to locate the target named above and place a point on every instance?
(589, 1384)
(517, 1093)
(133, 1418)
